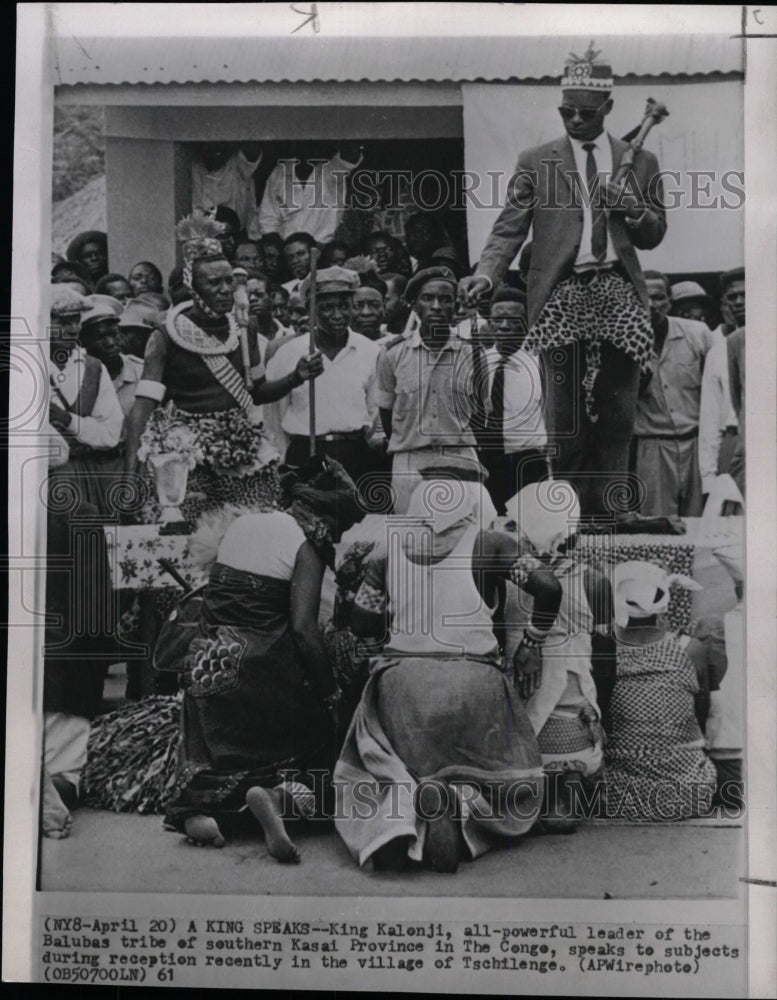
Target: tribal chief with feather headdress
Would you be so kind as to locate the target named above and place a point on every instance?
(198, 386)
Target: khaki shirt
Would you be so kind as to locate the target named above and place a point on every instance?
(669, 405)
(431, 395)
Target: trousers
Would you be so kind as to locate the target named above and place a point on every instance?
(593, 455)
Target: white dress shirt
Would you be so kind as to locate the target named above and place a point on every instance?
(603, 155)
(523, 426)
(716, 412)
(313, 206)
(102, 429)
(231, 184)
(345, 391)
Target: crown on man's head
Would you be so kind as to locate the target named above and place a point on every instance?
(585, 73)
(198, 234)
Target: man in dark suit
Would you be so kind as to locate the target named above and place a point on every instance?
(587, 301)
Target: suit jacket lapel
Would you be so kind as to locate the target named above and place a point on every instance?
(619, 147)
(568, 170)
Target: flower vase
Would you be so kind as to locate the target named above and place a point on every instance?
(171, 473)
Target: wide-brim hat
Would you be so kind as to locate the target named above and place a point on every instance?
(684, 290)
(420, 278)
(331, 281)
(729, 277)
(101, 307)
(90, 236)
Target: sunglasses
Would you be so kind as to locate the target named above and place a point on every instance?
(567, 112)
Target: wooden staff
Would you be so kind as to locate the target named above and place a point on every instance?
(245, 354)
(312, 348)
(654, 113)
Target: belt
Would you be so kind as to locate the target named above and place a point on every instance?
(668, 437)
(333, 436)
(731, 430)
(587, 273)
(79, 450)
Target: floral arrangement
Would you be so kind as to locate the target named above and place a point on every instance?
(166, 433)
(226, 442)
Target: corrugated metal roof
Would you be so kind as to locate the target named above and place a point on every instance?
(339, 59)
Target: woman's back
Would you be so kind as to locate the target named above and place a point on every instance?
(436, 606)
(653, 700)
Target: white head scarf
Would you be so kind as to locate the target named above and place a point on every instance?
(642, 590)
(547, 513)
(445, 502)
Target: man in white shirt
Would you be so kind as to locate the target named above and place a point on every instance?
(304, 195)
(512, 443)
(83, 405)
(718, 424)
(222, 178)
(347, 427)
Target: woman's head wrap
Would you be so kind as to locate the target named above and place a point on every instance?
(447, 497)
(198, 234)
(547, 513)
(642, 590)
(323, 499)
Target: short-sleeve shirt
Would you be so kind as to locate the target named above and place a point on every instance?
(431, 394)
(671, 402)
(345, 391)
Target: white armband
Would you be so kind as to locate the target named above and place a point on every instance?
(151, 390)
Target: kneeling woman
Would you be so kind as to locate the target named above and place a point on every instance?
(257, 723)
(440, 757)
(657, 768)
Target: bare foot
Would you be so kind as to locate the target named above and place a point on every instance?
(392, 857)
(442, 848)
(266, 804)
(59, 832)
(203, 831)
(56, 820)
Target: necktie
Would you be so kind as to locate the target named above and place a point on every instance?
(598, 218)
(496, 416)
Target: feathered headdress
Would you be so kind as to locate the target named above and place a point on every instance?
(198, 234)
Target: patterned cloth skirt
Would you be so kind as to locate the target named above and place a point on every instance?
(591, 309)
(207, 490)
(572, 741)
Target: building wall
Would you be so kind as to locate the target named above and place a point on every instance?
(148, 189)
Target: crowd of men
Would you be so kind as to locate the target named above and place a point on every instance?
(411, 369)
